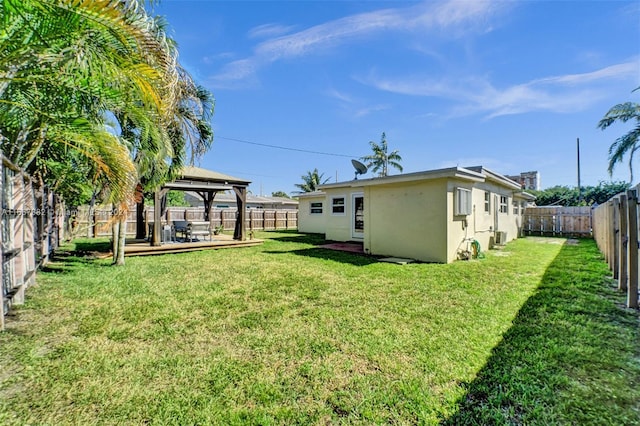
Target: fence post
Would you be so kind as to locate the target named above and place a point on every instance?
(616, 238)
(2, 198)
(624, 237)
(632, 290)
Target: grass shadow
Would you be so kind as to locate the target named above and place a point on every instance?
(92, 246)
(296, 237)
(571, 356)
(333, 255)
(75, 254)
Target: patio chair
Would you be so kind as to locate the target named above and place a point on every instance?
(181, 227)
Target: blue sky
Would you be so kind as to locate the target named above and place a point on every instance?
(507, 85)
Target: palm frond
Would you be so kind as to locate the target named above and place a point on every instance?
(621, 112)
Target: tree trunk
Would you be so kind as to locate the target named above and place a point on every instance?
(141, 231)
(121, 241)
(115, 236)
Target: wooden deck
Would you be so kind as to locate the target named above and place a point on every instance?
(144, 248)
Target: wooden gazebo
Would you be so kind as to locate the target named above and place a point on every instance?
(205, 183)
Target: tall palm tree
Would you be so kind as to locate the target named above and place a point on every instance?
(66, 66)
(311, 181)
(628, 143)
(381, 158)
(63, 65)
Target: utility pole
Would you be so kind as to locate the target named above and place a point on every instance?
(579, 187)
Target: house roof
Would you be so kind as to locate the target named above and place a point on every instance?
(223, 197)
(472, 174)
(451, 172)
(311, 194)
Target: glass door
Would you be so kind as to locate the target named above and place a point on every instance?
(357, 230)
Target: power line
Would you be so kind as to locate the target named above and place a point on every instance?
(286, 148)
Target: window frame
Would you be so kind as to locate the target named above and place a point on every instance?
(343, 205)
(487, 202)
(316, 207)
(462, 206)
(504, 204)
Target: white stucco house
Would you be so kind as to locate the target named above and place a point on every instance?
(430, 216)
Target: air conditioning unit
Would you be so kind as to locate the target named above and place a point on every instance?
(501, 237)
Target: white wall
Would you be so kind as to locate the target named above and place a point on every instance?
(312, 223)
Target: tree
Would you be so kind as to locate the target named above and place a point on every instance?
(281, 194)
(311, 181)
(569, 196)
(68, 68)
(628, 143)
(381, 159)
(65, 65)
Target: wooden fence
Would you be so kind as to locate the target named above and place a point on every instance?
(96, 223)
(31, 229)
(558, 221)
(615, 229)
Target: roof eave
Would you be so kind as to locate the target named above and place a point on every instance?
(452, 172)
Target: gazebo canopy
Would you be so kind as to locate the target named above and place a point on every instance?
(205, 183)
(199, 179)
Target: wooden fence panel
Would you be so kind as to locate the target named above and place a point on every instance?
(624, 239)
(615, 229)
(632, 290)
(97, 222)
(26, 221)
(569, 221)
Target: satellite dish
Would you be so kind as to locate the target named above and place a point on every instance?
(360, 168)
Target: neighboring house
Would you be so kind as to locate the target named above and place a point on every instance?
(430, 216)
(527, 180)
(223, 200)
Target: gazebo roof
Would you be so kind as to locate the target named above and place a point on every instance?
(198, 173)
(199, 179)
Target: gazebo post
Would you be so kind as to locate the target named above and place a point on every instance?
(158, 198)
(240, 232)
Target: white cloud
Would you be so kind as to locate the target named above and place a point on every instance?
(269, 30)
(234, 72)
(571, 92)
(352, 106)
(341, 96)
(456, 17)
(618, 71)
(362, 112)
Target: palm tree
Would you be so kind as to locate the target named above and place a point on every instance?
(64, 65)
(67, 67)
(381, 159)
(628, 143)
(311, 181)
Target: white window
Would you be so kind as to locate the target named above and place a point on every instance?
(504, 204)
(462, 202)
(516, 209)
(487, 202)
(316, 208)
(337, 206)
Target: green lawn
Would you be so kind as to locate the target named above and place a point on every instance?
(288, 333)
